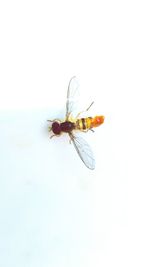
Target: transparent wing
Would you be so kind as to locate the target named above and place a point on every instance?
(84, 151)
(72, 96)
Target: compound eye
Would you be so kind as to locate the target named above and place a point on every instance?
(56, 128)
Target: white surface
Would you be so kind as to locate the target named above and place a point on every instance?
(53, 210)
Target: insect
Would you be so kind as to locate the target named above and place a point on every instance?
(72, 125)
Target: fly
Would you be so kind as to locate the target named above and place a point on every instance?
(72, 125)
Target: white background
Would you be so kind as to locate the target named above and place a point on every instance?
(53, 210)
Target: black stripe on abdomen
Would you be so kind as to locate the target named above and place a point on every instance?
(83, 123)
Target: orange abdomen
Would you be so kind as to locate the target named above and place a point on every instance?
(97, 121)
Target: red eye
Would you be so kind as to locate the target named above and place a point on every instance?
(56, 128)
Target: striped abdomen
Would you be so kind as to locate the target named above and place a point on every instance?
(89, 122)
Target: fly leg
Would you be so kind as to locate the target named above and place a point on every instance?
(84, 110)
(54, 120)
(56, 135)
(49, 128)
(85, 131)
(52, 136)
